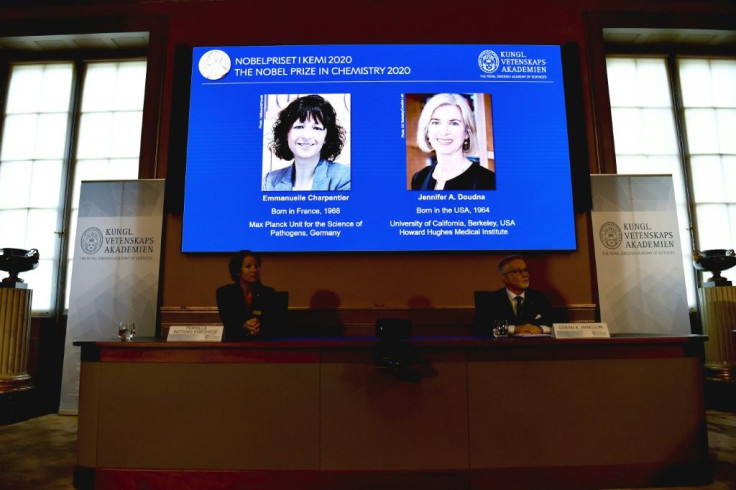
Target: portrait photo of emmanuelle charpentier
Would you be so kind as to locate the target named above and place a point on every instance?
(449, 142)
(307, 143)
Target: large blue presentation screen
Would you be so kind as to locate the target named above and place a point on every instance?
(357, 148)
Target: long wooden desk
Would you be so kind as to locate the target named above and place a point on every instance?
(318, 413)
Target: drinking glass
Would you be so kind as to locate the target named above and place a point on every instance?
(500, 329)
(126, 331)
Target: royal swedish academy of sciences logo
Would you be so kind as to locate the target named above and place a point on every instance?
(610, 235)
(488, 61)
(91, 241)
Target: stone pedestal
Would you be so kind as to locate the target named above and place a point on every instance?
(718, 313)
(15, 324)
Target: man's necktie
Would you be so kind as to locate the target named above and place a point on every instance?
(519, 306)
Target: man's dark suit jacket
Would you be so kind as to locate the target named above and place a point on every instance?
(267, 303)
(495, 305)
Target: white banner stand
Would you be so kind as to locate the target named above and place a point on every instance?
(115, 275)
(641, 282)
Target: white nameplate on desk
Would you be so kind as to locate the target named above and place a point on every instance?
(581, 331)
(194, 333)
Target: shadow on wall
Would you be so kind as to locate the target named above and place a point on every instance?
(419, 302)
(558, 302)
(323, 317)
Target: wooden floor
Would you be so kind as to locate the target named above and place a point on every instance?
(40, 453)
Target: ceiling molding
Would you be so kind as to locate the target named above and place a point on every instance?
(70, 42)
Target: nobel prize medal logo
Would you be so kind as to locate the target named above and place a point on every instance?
(610, 235)
(214, 64)
(91, 241)
(488, 61)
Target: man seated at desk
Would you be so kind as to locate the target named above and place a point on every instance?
(528, 311)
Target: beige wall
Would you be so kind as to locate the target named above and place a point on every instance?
(375, 280)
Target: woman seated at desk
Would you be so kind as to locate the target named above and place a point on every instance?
(248, 309)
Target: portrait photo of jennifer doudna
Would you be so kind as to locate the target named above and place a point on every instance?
(449, 142)
(306, 142)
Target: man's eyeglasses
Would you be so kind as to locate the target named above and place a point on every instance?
(517, 271)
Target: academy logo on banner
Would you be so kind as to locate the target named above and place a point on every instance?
(637, 238)
(117, 253)
(641, 281)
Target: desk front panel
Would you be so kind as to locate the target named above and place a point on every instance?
(319, 413)
(206, 416)
(586, 412)
(378, 419)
